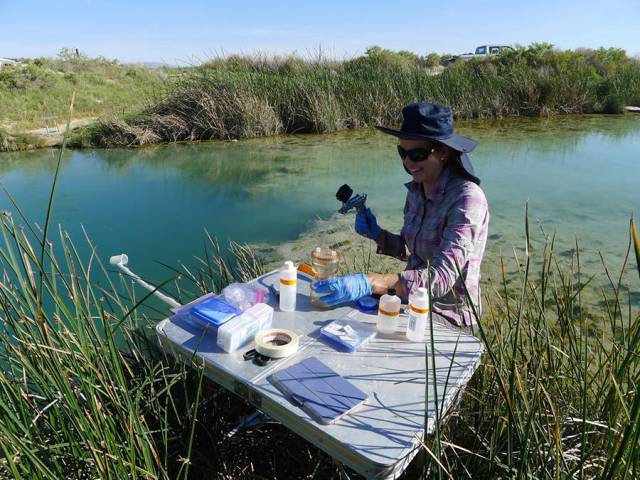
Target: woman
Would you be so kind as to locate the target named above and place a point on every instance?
(445, 227)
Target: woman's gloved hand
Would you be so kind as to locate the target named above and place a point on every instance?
(367, 225)
(343, 289)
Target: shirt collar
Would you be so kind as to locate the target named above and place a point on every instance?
(438, 189)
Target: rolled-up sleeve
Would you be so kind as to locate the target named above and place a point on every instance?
(464, 220)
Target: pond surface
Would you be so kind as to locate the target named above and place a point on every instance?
(579, 175)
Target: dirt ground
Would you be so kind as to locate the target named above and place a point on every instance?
(54, 138)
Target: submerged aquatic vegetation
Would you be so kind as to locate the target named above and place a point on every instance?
(242, 97)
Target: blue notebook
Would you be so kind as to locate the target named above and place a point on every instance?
(318, 390)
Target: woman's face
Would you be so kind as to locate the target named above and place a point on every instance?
(428, 170)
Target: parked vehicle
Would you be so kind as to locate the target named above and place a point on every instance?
(6, 61)
(481, 52)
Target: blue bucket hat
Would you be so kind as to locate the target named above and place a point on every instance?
(430, 121)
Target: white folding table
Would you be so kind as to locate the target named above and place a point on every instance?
(379, 439)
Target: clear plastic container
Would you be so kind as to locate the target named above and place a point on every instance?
(325, 262)
(418, 314)
(241, 329)
(288, 287)
(244, 296)
(388, 312)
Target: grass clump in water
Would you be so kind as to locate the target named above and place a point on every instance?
(241, 97)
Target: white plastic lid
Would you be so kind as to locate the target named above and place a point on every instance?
(288, 265)
(421, 293)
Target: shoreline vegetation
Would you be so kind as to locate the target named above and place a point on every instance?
(242, 97)
(253, 96)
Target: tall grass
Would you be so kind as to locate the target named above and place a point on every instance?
(241, 97)
(84, 390)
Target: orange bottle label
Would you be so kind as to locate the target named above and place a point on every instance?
(419, 310)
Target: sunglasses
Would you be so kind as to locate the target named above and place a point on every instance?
(416, 154)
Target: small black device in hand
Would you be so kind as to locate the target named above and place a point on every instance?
(350, 201)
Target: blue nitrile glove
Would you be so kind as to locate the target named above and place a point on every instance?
(366, 224)
(343, 289)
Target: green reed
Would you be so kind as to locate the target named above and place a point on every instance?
(556, 395)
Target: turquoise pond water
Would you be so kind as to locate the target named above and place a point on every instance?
(580, 176)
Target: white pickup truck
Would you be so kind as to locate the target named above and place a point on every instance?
(482, 51)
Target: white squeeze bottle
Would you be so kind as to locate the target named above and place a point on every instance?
(288, 281)
(418, 314)
(388, 312)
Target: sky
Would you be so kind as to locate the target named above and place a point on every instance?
(187, 32)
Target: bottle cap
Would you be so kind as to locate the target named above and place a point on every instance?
(391, 291)
(288, 265)
(421, 293)
(367, 303)
(325, 256)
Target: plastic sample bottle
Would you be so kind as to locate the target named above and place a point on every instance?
(288, 287)
(388, 312)
(418, 314)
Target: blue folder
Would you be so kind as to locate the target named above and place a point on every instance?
(214, 312)
(318, 390)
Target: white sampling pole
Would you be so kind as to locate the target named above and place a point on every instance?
(121, 261)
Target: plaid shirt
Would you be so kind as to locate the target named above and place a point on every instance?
(448, 227)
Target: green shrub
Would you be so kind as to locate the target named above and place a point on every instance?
(432, 60)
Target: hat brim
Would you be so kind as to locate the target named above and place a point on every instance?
(455, 141)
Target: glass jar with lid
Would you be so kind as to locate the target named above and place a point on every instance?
(325, 262)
